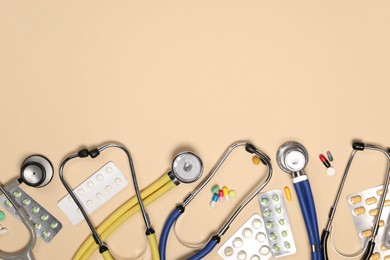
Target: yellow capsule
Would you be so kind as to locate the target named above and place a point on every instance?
(255, 160)
(373, 212)
(371, 200)
(358, 211)
(383, 248)
(355, 199)
(375, 256)
(366, 233)
(381, 223)
(287, 193)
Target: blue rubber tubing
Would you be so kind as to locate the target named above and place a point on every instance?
(165, 232)
(303, 202)
(205, 250)
(312, 207)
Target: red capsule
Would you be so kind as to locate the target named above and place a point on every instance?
(220, 195)
(324, 161)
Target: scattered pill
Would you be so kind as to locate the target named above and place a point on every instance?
(373, 212)
(324, 161)
(220, 195)
(260, 237)
(255, 160)
(275, 197)
(53, 225)
(232, 194)
(330, 171)
(26, 202)
(225, 193)
(366, 233)
(3, 231)
(270, 224)
(214, 200)
(44, 217)
(330, 157)
(256, 223)
(375, 256)
(371, 200)
(358, 211)
(355, 199)
(264, 250)
(35, 209)
(2, 215)
(228, 251)
(215, 189)
(287, 193)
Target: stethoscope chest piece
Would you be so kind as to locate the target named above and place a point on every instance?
(37, 171)
(187, 167)
(292, 157)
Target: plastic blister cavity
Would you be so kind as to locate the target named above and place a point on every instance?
(94, 192)
(277, 223)
(364, 209)
(46, 225)
(248, 242)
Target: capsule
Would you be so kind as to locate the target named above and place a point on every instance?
(287, 193)
(225, 193)
(232, 194)
(255, 160)
(359, 211)
(324, 161)
(214, 200)
(220, 195)
(215, 189)
(330, 157)
(371, 200)
(355, 199)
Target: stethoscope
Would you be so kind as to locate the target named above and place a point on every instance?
(103, 249)
(292, 158)
(370, 245)
(36, 171)
(180, 209)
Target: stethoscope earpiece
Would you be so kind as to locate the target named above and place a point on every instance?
(37, 171)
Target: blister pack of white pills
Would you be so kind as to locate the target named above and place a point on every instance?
(277, 223)
(364, 209)
(248, 242)
(94, 192)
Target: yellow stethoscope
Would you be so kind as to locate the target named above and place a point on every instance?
(186, 168)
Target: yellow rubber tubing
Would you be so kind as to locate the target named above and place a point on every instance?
(88, 251)
(154, 246)
(107, 255)
(120, 211)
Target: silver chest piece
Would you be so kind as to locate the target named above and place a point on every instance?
(187, 167)
(37, 171)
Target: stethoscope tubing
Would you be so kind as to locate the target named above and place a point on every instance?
(166, 230)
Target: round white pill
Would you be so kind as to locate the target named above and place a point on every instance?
(241, 255)
(330, 171)
(237, 242)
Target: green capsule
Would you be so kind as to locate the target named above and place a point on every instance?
(215, 189)
(276, 248)
(287, 245)
(270, 224)
(275, 197)
(273, 236)
(264, 201)
(282, 221)
(284, 233)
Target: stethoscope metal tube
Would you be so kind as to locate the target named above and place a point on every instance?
(93, 154)
(180, 209)
(369, 246)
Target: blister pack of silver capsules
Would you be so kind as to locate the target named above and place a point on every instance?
(277, 223)
(364, 209)
(248, 242)
(46, 225)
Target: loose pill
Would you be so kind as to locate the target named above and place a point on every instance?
(225, 193)
(232, 194)
(330, 171)
(330, 157)
(255, 160)
(373, 212)
(215, 189)
(214, 200)
(375, 256)
(220, 195)
(358, 211)
(287, 193)
(324, 161)
(371, 200)
(355, 199)
(2, 215)
(366, 233)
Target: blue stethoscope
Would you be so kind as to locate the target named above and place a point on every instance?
(292, 158)
(180, 209)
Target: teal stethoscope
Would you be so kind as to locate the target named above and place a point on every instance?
(180, 209)
(292, 158)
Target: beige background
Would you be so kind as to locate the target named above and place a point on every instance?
(165, 76)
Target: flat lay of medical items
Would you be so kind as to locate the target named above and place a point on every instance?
(270, 231)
